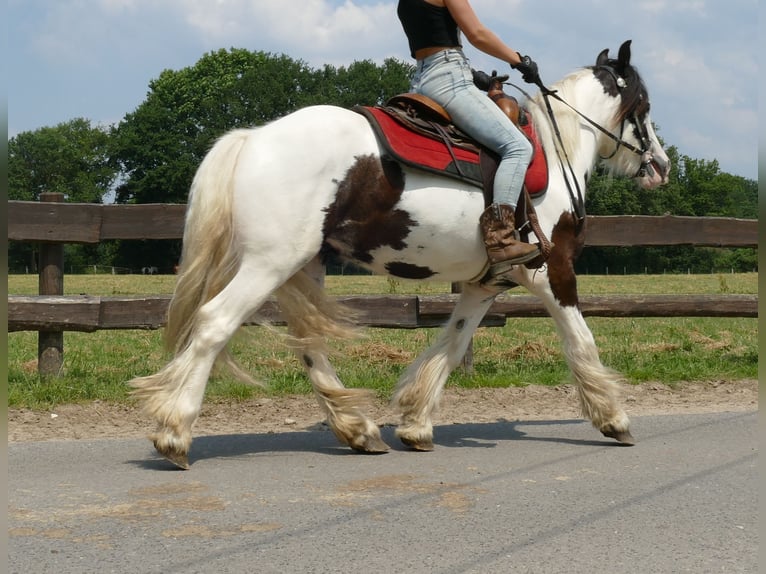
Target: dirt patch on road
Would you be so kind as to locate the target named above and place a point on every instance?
(301, 412)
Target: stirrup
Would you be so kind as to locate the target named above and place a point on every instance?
(502, 267)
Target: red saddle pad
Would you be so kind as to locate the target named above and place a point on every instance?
(433, 155)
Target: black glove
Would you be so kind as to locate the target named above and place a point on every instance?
(528, 70)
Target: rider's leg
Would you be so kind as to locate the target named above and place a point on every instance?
(446, 77)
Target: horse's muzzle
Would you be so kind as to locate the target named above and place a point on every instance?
(654, 171)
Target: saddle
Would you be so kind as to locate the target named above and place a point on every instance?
(416, 131)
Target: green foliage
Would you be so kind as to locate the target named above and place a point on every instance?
(71, 158)
(696, 188)
(362, 83)
(159, 145)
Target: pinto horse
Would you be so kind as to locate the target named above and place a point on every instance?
(267, 201)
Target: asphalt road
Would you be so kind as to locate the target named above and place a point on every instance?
(541, 497)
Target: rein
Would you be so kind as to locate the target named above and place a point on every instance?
(576, 196)
(578, 202)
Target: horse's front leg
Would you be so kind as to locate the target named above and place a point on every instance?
(419, 389)
(598, 386)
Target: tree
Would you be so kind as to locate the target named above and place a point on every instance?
(159, 146)
(362, 83)
(71, 158)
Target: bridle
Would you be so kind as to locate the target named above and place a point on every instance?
(576, 196)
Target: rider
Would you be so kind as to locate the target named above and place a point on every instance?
(443, 74)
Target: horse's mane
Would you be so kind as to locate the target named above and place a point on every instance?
(567, 120)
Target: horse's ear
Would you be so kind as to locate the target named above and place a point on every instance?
(623, 58)
(603, 58)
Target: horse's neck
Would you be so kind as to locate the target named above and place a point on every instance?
(580, 141)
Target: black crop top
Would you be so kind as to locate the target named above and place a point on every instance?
(427, 25)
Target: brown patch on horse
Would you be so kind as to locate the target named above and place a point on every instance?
(362, 217)
(408, 270)
(568, 244)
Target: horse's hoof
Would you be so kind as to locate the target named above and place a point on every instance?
(178, 458)
(371, 445)
(623, 437)
(417, 445)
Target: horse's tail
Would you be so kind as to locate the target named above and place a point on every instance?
(210, 255)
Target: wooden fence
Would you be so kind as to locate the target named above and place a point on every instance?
(53, 223)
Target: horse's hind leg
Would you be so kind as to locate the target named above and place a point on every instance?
(420, 387)
(311, 317)
(342, 406)
(173, 396)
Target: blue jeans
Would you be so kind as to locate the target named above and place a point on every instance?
(446, 78)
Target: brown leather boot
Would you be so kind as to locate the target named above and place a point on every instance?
(501, 239)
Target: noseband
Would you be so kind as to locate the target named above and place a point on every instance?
(643, 151)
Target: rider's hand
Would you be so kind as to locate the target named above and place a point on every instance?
(528, 70)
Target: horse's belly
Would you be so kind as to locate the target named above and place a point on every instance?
(443, 244)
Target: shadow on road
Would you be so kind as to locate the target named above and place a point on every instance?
(470, 435)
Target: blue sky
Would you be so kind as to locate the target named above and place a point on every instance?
(95, 58)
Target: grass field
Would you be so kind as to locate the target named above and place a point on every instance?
(525, 351)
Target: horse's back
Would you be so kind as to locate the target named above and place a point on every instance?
(320, 122)
(311, 138)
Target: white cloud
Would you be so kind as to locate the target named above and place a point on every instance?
(681, 70)
(60, 38)
(694, 138)
(216, 20)
(319, 31)
(87, 32)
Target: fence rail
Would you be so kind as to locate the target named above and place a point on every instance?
(93, 223)
(51, 222)
(92, 313)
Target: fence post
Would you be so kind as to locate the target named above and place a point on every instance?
(50, 344)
